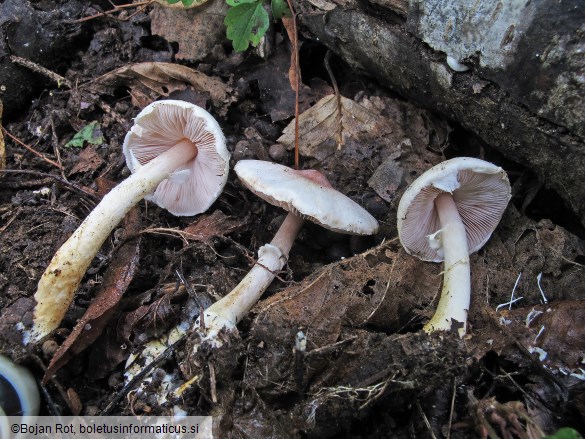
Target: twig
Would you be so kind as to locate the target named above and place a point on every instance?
(35, 152)
(337, 96)
(212, 383)
(60, 80)
(65, 183)
(295, 44)
(116, 8)
(10, 220)
(425, 419)
(140, 375)
(42, 70)
(452, 408)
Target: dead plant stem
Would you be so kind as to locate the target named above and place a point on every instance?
(295, 44)
(31, 149)
(116, 8)
(65, 183)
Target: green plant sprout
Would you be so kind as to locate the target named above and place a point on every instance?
(91, 133)
(247, 20)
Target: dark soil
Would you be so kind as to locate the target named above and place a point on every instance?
(369, 370)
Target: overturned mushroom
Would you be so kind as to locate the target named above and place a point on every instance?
(305, 194)
(446, 214)
(176, 152)
(19, 394)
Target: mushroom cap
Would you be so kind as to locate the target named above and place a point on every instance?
(307, 195)
(196, 185)
(481, 191)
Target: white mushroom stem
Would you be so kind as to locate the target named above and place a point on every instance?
(229, 310)
(455, 296)
(61, 278)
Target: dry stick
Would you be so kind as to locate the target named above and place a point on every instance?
(140, 375)
(337, 96)
(295, 43)
(116, 8)
(65, 183)
(40, 69)
(450, 424)
(425, 419)
(61, 80)
(35, 152)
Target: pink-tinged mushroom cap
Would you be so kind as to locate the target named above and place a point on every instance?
(481, 192)
(191, 189)
(307, 194)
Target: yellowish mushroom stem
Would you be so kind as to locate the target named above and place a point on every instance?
(61, 278)
(230, 309)
(455, 296)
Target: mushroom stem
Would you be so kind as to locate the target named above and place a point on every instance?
(58, 283)
(230, 309)
(455, 296)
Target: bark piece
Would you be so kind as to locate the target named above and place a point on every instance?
(529, 108)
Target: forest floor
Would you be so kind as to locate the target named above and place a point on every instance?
(368, 369)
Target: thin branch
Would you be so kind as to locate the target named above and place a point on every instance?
(337, 97)
(35, 152)
(65, 183)
(140, 376)
(42, 70)
(295, 44)
(117, 8)
(60, 80)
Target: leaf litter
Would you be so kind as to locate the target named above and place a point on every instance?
(361, 315)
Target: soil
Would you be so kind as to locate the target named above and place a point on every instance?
(368, 370)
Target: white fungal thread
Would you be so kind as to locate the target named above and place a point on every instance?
(508, 303)
(539, 332)
(514, 289)
(531, 316)
(545, 300)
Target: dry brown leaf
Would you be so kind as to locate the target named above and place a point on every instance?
(115, 282)
(329, 120)
(215, 224)
(180, 5)
(287, 22)
(151, 320)
(88, 161)
(380, 288)
(553, 331)
(196, 32)
(156, 79)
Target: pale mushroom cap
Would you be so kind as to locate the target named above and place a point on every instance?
(481, 192)
(160, 126)
(295, 192)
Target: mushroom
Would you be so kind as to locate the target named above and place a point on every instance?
(178, 158)
(446, 214)
(19, 394)
(305, 194)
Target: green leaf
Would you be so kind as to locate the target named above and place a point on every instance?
(91, 133)
(280, 9)
(246, 24)
(187, 3)
(172, 2)
(234, 3)
(565, 433)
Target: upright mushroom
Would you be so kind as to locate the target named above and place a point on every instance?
(446, 214)
(305, 194)
(176, 152)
